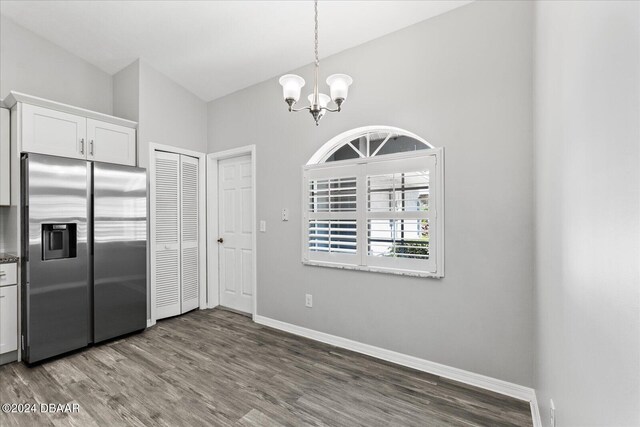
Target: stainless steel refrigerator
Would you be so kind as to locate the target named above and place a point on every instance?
(84, 243)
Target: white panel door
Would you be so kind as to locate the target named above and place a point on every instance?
(189, 232)
(52, 132)
(8, 318)
(235, 213)
(111, 143)
(165, 199)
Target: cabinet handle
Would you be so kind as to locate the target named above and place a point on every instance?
(1, 296)
(81, 145)
(2, 273)
(91, 147)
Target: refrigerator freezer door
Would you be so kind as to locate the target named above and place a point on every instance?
(55, 289)
(119, 250)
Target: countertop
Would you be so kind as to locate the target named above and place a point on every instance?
(6, 258)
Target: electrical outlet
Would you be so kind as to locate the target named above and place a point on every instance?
(263, 226)
(552, 412)
(308, 300)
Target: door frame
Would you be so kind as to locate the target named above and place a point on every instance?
(202, 225)
(213, 278)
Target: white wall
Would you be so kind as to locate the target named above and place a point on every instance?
(34, 65)
(126, 92)
(168, 114)
(587, 113)
(463, 81)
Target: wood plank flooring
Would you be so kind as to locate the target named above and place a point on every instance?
(214, 367)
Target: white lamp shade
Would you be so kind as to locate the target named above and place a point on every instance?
(339, 85)
(291, 85)
(323, 100)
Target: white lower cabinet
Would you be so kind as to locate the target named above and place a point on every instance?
(8, 318)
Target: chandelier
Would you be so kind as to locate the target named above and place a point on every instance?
(338, 87)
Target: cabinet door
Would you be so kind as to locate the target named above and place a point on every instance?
(5, 160)
(8, 319)
(53, 132)
(111, 143)
(8, 274)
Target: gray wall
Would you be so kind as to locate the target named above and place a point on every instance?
(587, 113)
(126, 92)
(34, 65)
(463, 81)
(168, 114)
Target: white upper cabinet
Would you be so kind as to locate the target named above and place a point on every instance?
(48, 127)
(111, 143)
(5, 160)
(53, 132)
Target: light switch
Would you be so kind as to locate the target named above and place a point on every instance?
(263, 226)
(285, 214)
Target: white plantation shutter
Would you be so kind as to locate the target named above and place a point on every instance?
(189, 232)
(331, 214)
(378, 213)
(166, 199)
(400, 214)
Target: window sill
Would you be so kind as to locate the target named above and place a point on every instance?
(410, 273)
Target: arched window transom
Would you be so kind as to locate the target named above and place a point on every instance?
(369, 141)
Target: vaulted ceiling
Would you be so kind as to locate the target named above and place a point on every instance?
(214, 48)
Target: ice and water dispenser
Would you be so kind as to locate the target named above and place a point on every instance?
(58, 241)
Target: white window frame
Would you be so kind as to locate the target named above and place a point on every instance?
(359, 167)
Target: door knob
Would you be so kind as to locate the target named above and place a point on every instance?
(220, 240)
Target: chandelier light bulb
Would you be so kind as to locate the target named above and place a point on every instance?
(323, 100)
(291, 86)
(339, 86)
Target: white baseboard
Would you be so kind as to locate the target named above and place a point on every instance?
(150, 323)
(499, 386)
(535, 412)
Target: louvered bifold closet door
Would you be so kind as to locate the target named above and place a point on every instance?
(166, 201)
(189, 232)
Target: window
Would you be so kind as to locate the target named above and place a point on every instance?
(371, 211)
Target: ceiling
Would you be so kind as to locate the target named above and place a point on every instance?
(214, 48)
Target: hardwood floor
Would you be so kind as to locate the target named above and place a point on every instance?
(215, 367)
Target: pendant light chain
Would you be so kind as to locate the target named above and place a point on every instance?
(316, 33)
